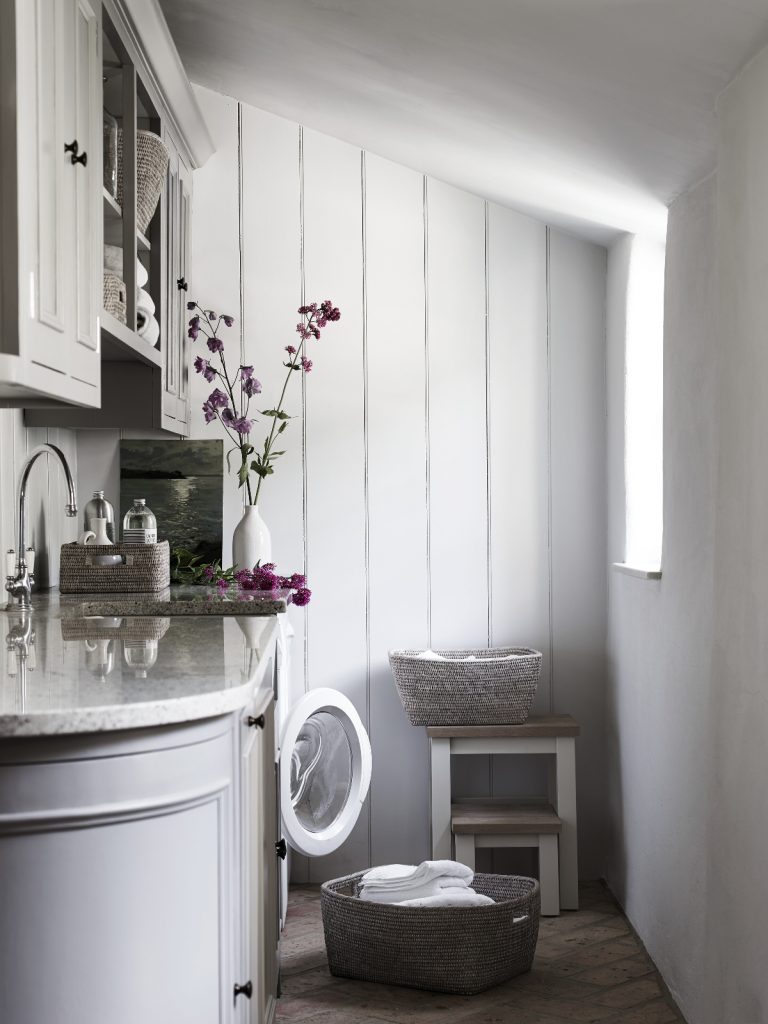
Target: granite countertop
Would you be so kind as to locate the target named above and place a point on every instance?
(86, 672)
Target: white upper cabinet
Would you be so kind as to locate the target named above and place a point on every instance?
(93, 317)
(51, 216)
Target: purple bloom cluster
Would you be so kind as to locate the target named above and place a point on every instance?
(203, 366)
(264, 577)
(317, 318)
(306, 364)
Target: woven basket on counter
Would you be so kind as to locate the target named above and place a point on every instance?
(464, 950)
(497, 687)
(114, 296)
(142, 628)
(145, 568)
(151, 165)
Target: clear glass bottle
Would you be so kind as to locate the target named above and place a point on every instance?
(100, 508)
(139, 524)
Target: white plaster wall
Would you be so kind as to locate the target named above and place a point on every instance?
(445, 474)
(658, 697)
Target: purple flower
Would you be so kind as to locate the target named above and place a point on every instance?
(215, 344)
(217, 399)
(222, 585)
(246, 371)
(204, 367)
(211, 315)
(242, 425)
(290, 349)
(301, 597)
(243, 577)
(209, 572)
(329, 311)
(209, 412)
(298, 581)
(228, 320)
(227, 417)
(251, 386)
(190, 305)
(193, 332)
(306, 364)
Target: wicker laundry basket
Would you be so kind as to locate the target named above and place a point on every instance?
(496, 688)
(464, 950)
(151, 165)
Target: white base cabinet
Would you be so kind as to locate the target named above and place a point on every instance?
(138, 874)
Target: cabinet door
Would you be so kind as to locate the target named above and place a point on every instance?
(260, 868)
(170, 323)
(47, 179)
(185, 202)
(85, 362)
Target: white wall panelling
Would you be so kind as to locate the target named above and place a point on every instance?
(425, 478)
(577, 274)
(47, 526)
(336, 644)
(398, 581)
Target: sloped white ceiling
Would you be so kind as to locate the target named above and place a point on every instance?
(593, 113)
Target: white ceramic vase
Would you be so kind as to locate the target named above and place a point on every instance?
(251, 541)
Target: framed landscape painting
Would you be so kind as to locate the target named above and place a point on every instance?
(183, 484)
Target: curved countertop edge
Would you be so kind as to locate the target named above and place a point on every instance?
(117, 717)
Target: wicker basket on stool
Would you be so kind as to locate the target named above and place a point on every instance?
(496, 687)
(464, 950)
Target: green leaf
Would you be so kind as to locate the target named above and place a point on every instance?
(242, 473)
(281, 428)
(277, 414)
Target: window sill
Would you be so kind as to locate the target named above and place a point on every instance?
(639, 574)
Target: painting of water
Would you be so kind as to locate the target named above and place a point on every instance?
(182, 482)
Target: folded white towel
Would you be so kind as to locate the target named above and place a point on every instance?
(145, 303)
(394, 883)
(149, 329)
(434, 656)
(461, 897)
(405, 875)
(142, 275)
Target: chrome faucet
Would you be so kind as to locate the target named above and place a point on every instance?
(20, 586)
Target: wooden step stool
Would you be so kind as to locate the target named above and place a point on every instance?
(494, 823)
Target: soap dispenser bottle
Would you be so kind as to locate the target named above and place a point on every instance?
(100, 508)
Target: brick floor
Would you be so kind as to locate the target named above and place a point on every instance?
(589, 969)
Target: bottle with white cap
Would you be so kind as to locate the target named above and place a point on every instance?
(139, 524)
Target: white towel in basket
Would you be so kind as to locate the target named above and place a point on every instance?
(450, 897)
(393, 883)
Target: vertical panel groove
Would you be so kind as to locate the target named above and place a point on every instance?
(548, 284)
(366, 494)
(302, 279)
(427, 481)
(488, 438)
(240, 233)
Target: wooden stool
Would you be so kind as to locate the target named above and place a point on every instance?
(554, 735)
(494, 823)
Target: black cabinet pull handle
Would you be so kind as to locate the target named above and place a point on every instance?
(244, 990)
(281, 849)
(181, 284)
(256, 723)
(74, 148)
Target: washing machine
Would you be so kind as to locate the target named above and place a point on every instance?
(324, 762)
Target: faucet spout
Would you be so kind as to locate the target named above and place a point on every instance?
(21, 586)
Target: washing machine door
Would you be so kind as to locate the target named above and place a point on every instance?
(325, 771)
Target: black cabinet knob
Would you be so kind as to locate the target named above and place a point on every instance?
(281, 849)
(181, 284)
(244, 990)
(73, 148)
(256, 723)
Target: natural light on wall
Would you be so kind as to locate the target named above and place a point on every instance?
(643, 436)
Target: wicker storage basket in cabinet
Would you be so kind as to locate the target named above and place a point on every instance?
(143, 568)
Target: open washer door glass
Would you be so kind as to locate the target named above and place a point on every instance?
(325, 771)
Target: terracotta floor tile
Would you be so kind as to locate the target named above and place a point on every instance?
(616, 973)
(635, 992)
